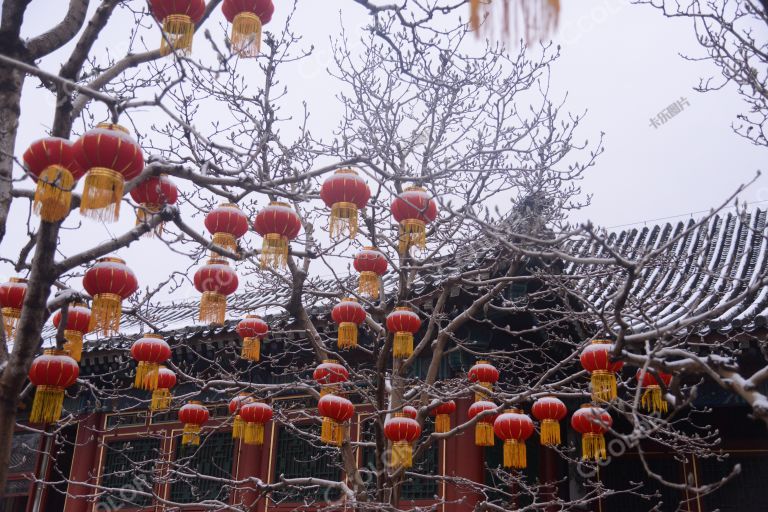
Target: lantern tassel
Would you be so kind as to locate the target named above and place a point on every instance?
(251, 349)
(481, 395)
(74, 344)
(403, 345)
(246, 34)
(653, 400)
(369, 284)
(593, 447)
(191, 434)
(11, 318)
(274, 251)
(238, 427)
(178, 32)
(213, 308)
(484, 434)
(402, 454)
(161, 400)
(442, 423)
(146, 376)
(144, 213)
(514, 454)
(47, 405)
(53, 195)
(550, 433)
(226, 241)
(331, 432)
(254, 434)
(106, 312)
(347, 335)
(413, 232)
(604, 386)
(102, 195)
(343, 219)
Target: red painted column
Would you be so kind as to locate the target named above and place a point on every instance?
(549, 461)
(84, 462)
(248, 460)
(462, 459)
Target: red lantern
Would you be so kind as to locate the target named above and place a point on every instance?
(161, 397)
(484, 374)
(329, 375)
(278, 223)
(484, 425)
(78, 325)
(344, 193)
(111, 157)
(227, 223)
(150, 352)
(410, 412)
(592, 423)
(12, 296)
(404, 323)
(335, 411)
(238, 425)
(349, 315)
(549, 411)
(255, 415)
(215, 281)
(514, 428)
(52, 164)
(178, 18)
(152, 195)
(193, 416)
(371, 264)
(442, 414)
(402, 431)
(252, 329)
(247, 18)
(413, 210)
(653, 397)
(596, 359)
(51, 373)
(109, 282)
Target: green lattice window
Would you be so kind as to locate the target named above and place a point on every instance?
(494, 461)
(745, 492)
(129, 467)
(622, 470)
(296, 457)
(212, 458)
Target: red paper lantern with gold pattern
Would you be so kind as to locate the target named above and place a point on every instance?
(52, 164)
(549, 410)
(653, 397)
(329, 375)
(349, 315)
(150, 352)
(592, 423)
(278, 223)
(402, 431)
(152, 195)
(247, 18)
(178, 18)
(51, 373)
(410, 412)
(78, 325)
(193, 415)
(238, 425)
(109, 282)
(484, 374)
(413, 210)
(216, 281)
(12, 296)
(484, 425)
(596, 359)
(252, 330)
(161, 396)
(404, 323)
(111, 157)
(372, 265)
(514, 428)
(227, 224)
(336, 411)
(255, 415)
(344, 192)
(442, 414)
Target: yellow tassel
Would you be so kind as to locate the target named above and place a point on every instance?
(191, 434)
(604, 386)
(254, 434)
(74, 344)
(474, 15)
(593, 447)
(369, 284)
(146, 376)
(653, 400)
(161, 400)
(226, 241)
(442, 423)
(484, 434)
(347, 335)
(251, 349)
(550, 433)
(102, 194)
(402, 346)
(105, 314)
(53, 195)
(343, 219)
(238, 427)
(178, 32)
(413, 233)
(144, 213)
(11, 318)
(274, 251)
(331, 432)
(47, 405)
(402, 454)
(515, 454)
(213, 308)
(246, 35)
(480, 395)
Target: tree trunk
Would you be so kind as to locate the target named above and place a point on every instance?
(11, 82)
